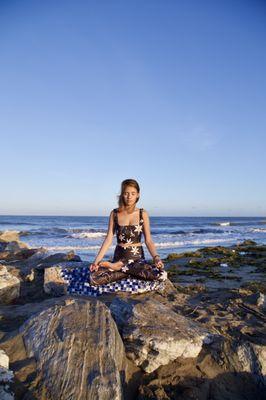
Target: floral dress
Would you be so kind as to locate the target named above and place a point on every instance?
(133, 258)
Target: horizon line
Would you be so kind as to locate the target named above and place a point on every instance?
(156, 216)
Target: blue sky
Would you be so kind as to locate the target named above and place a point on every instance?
(170, 93)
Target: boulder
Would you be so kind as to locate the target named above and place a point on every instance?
(154, 334)
(58, 258)
(71, 351)
(9, 286)
(54, 283)
(9, 236)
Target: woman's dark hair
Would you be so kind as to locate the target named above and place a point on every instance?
(124, 184)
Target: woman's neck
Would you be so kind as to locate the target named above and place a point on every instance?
(129, 209)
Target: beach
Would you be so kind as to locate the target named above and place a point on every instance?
(202, 335)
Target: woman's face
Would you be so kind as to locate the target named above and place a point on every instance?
(130, 195)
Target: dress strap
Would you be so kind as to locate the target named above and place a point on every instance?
(140, 216)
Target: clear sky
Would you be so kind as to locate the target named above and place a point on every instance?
(170, 93)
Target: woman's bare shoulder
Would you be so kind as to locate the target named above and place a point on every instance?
(145, 212)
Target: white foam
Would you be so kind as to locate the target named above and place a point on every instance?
(88, 235)
(192, 242)
(181, 243)
(227, 223)
(63, 248)
(259, 230)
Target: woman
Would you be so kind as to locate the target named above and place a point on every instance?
(128, 222)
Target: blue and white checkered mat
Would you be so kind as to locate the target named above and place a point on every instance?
(78, 278)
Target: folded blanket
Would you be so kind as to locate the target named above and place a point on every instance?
(78, 279)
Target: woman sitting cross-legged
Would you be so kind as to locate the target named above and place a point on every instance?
(128, 223)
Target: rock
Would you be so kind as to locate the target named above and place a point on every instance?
(154, 334)
(4, 359)
(6, 380)
(14, 255)
(75, 352)
(173, 256)
(39, 255)
(221, 371)
(2, 246)
(9, 236)
(6, 377)
(252, 359)
(9, 286)
(247, 243)
(13, 316)
(257, 299)
(260, 353)
(54, 283)
(58, 258)
(71, 256)
(14, 247)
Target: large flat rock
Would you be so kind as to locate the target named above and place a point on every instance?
(154, 334)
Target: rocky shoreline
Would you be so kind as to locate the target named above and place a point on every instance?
(202, 337)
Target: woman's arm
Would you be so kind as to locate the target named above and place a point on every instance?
(148, 240)
(107, 241)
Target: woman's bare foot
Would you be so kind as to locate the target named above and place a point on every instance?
(113, 266)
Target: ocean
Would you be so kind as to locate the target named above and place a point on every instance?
(84, 235)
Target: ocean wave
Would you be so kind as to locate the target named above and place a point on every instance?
(45, 232)
(15, 223)
(204, 231)
(181, 243)
(258, 230)
(225, 223)
(68, 248)
(87, 235)
(192, 242)
(76, 233)
(231, 223)
(200, 231)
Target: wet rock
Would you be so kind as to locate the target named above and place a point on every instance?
(173, 256)
(258, 299)
(9, 286)
(247, 243)
(154, 334)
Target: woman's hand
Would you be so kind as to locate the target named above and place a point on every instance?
(94, 267)
(158, 262)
